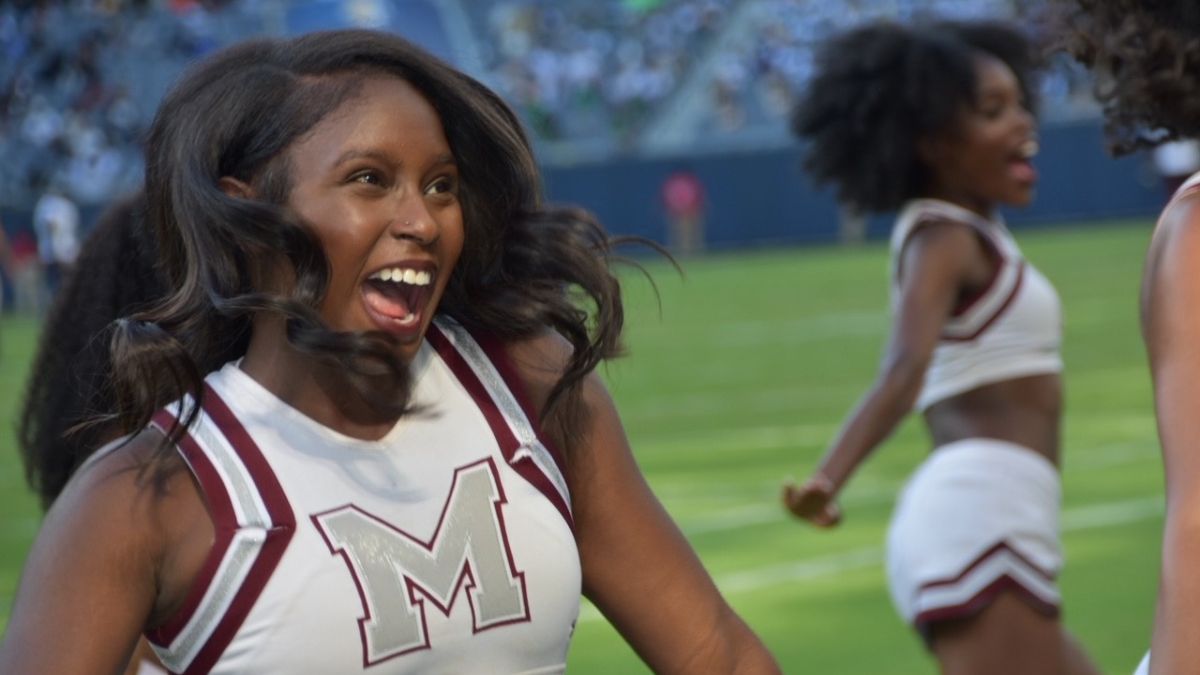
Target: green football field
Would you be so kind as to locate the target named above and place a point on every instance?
(736, 378)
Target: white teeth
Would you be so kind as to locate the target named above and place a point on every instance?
(1029, 148)
(405, 275)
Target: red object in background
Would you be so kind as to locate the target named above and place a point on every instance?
(23, 247)
(683, 194)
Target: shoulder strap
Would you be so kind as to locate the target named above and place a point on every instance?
(253, 522)
(974, 314)
(920, 212)
(483, 368)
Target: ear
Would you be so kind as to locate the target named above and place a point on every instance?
(233, 187)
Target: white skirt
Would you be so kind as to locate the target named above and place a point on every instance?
(978, 518)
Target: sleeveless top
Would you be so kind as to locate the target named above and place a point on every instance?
(446, 546)
(1011, 329)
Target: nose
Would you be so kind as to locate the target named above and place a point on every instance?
(1027, 120)
(414, 221)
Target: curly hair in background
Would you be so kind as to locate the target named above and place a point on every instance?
(67, 386)
(1146, 54)
(68, 395)
(882, 88)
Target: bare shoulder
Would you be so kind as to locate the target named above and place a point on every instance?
(540, 361)
(943, 248)
(1180, 222)
(131, 471)
(943, 235)
(1173, 256)
(140, 493)
(132, 484)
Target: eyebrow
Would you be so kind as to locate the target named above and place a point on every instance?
(353, 154)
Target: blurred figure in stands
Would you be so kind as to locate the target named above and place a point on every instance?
(685, 201)
(1176, 161)
(56, 222)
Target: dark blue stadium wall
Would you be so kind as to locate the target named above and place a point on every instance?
(761, 198)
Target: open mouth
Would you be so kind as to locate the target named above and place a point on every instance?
(1021, 164)
(396, 297)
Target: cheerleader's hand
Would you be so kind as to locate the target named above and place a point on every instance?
(813, 501)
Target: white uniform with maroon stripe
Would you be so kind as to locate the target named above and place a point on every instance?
(980, 516)
(1012, 329)
(444, 547)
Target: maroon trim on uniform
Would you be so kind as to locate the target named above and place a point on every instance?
(983, 557)
(986, 595)
(527, 468)
(999, 310)
(416, 594)
(970, 301)
(283, 526)
(225, 524)
(925, 621)
(935, 218)
(507, 369)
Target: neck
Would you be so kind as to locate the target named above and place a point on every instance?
(318, 388)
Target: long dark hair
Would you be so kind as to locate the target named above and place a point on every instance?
(68, 385)
(882, 88)
(524, 269)
(1147, 57)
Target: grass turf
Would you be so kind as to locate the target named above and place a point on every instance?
(738, 375)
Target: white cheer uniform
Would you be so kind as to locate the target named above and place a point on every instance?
(980, 516)
(445, 547)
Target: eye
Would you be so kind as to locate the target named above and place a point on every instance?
(368, 177)
(446, 185)
(992, 110)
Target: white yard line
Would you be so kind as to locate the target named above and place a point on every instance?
(766, 511)
(1104, 514)
(799, 435)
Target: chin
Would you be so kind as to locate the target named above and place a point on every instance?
(1022, 198)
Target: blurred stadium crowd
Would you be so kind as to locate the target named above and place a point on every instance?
(80, 79)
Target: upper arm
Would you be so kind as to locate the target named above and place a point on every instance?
(939, 261)
(90, 582)
(1171, 327)
(637, 567)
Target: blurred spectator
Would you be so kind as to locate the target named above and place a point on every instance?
(6, 269)
(1175, 161)
(56, 222)
(684, 199)
(77, 79)
(26, 273)
(580, 69)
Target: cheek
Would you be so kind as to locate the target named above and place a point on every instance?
(453, 237)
